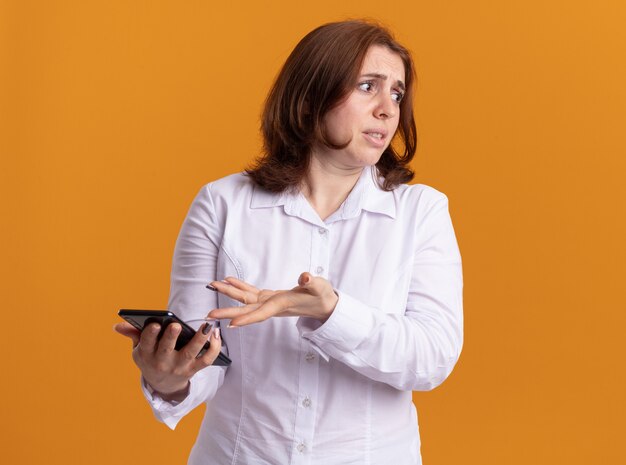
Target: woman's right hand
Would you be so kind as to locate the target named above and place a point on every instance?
(165, 369)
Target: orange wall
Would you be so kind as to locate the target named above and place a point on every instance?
(114, 113)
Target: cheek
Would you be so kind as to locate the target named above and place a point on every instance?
(338, 127)
(395, 127)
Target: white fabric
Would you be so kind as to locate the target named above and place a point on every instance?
(303, 393)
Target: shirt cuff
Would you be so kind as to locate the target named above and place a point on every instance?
(156, 398)
(170, 412)
(348, 325)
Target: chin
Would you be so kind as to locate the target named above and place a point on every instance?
(371, 161)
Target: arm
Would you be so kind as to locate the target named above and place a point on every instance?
(177, 384)
(414, 351)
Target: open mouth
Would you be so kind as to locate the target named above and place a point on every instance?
(375, 138)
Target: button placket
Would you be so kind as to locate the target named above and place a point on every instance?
(308, 377)
(320, 251)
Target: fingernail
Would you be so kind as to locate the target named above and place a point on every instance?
(232, 326)
(212, 288)
(206, 328)
(216, 333)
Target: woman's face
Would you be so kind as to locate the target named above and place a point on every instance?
(369, 117)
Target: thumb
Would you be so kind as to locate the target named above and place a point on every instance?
(128, 330)
(305, 278)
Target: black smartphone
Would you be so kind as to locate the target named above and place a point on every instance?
(142, 318)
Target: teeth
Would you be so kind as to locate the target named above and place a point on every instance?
(377, 135)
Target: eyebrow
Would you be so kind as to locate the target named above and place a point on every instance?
(399, 83)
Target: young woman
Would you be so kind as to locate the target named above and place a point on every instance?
(371, 301)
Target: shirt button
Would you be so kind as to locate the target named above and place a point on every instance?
(322, 231)
(306, 402)
(301, 447)
(319, 270)
(309, 357)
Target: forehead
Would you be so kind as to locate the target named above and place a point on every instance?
(381, 60)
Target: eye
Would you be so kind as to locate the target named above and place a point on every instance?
(397, 96)
(366, 86)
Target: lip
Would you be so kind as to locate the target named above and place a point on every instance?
(373, 140)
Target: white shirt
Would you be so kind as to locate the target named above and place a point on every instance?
(301, 392)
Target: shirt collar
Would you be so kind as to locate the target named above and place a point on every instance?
(366, 195)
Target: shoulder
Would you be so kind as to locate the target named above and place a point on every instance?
(229, 186)
(226, 190)
(419, 197)
(425, 213)
(218, 195)
(237, 192)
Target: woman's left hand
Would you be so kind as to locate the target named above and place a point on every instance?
(313, 297)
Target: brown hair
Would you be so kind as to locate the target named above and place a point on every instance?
(319, 74)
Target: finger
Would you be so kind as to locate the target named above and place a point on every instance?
(215, 346)
(128, 330)
(233, 292)
(148, 338)
(253, 294)
(276, 305)
(312, 285)
(167, 343)
(320, 289)
(193, 347)
(242, 285)
(231, 312)
(305, 278)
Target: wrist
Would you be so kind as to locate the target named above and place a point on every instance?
(329, 307)
(175, 394)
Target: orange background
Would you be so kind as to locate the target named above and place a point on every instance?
(114, 113)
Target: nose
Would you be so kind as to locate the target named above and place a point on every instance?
(385, 108)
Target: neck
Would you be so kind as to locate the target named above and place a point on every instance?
(326, 185)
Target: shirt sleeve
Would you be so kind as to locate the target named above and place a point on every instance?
(193, 266)
(416, 350)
